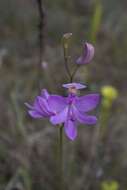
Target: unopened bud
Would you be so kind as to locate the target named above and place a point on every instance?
(66, 41)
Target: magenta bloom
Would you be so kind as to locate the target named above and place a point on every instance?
(75, 110)
(87, 56)
(69, 110)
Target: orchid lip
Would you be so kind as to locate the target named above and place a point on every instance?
(76, 86)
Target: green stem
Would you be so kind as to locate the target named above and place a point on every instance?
(74, 73)
(66, 63)
(61, 158)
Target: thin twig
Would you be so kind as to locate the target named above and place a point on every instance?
(40, 36)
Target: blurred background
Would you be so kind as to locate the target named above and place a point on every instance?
(28, 147)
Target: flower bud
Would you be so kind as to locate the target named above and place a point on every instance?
(87, 55)
(66, 41)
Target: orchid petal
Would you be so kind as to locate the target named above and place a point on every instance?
(45, 94)
(84, 118)
(87, 103)
(70, 128)
(60, 117)
(35, 114)
(29, 106)
(44, 106)
(57, 103)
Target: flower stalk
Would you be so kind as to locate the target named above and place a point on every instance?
(65, 41)
(74, 73)
(60, 157)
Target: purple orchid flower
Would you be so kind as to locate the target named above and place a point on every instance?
(69, 110)
(87, 56)
(75, 110)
